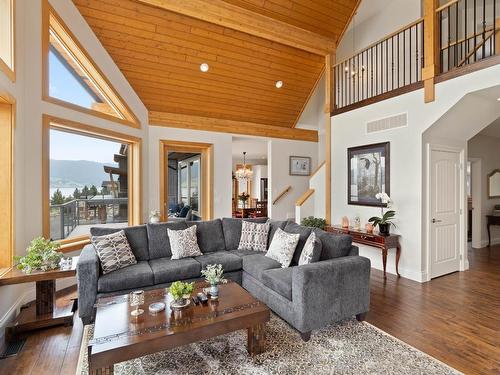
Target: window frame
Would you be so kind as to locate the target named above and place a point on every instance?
(134, 172)
(51, 20)
(7, 191)
(8, 68)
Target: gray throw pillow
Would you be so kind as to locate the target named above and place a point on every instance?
(282, 247)
(311, 251)
(253, 236)
(113, 251)
(184, 243)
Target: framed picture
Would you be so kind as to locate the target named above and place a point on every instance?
(300, 166)
(369, 173)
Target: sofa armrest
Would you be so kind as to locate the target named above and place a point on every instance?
(353, 252)
(87, 274)
(331, 290)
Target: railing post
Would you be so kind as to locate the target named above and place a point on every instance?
(431, 49)
(329, 105)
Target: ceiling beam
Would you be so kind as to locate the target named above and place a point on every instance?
(233, 17)
(175, 120)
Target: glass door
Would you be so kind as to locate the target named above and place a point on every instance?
(190, 182)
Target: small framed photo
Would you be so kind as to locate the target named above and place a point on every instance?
(300, 165)
(368, 174)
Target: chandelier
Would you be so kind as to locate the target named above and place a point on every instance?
(244, 173)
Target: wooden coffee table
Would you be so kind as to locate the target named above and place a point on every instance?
(118, 336)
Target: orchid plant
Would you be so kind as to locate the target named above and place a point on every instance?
(386, 218)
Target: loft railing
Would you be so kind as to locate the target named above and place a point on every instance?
(468, 32)
(387, 65)
(66, 217)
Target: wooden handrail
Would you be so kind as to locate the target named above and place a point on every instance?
(447, 5)
(381, 41)
(317, 169)
(304, 197)
(280, 195)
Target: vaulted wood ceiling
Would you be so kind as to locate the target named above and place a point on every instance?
(160, 51)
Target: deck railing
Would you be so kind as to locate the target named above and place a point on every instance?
(64, 218)
(389, 64)
(468, 31)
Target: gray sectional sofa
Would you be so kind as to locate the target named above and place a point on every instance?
(308, 297)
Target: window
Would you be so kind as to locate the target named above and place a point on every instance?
(7, 37)
(73, 79)
(6, 184)
(189, 178)
(90, 179)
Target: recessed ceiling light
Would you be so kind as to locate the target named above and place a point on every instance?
(498, 99)
(204, 67)
(279, 84)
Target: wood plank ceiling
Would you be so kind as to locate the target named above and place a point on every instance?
(160, 53)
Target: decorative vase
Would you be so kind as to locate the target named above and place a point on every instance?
(384, 229)
(214, 291)
(345, 222)
(369, 227)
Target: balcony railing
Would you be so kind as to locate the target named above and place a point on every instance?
(65, 218)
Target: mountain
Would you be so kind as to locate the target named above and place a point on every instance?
(77, 173)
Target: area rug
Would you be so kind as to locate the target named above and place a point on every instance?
(348, 347)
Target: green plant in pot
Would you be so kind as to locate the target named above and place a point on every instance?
(181, 291)
(41, 255)
(314, 222)
(385, 221)
(214, 275)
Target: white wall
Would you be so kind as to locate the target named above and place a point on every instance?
(222, 143)
(349, 129)
(318, 183)
(279, 152)
(259, 171)
(29, 109)
(374, 20)
(486, 149)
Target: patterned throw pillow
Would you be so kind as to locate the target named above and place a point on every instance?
(282, 247)
(184, 243)
(311, 251)
(113, 251)
(253, 236)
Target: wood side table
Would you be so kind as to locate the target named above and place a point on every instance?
(45, 311)
(377, 240)
(491, 220)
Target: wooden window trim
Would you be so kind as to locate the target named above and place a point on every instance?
(134, 172)
(50, 19)
(9, 69)
(207, 173)
(7, 115)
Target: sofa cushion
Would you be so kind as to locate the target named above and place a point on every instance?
(283, 247)
(132, 277)
(114, 251)
(137, 237)
(334, 245)
(230, 262)
(304, 233)
(253, 236)
(312, 249)
(159, 243)
(244, 253)
(184, 243)
(257, 263)
(232, 230)
(273, 227)
(210, 235)
(167, 270)
(279, 280)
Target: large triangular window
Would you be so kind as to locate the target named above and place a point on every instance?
(74, 79)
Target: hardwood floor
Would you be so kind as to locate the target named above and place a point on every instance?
(455, 318)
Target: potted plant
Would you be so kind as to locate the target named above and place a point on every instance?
(314, 222)
(181, 292)
(385, 221)
(214, 275)
(243, 197)
(154, 216)
(41, 255)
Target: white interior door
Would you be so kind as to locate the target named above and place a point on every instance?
(445, 228)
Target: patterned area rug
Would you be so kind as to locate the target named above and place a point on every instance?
(348, 347)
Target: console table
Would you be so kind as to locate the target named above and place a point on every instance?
(46, 311)
(491, 220)
(377, 240)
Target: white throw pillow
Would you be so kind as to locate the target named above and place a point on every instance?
(307, 255)
(184, 243)
(253, 236)
(283, 246)
(113, 251)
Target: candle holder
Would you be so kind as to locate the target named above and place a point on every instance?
(136, 299)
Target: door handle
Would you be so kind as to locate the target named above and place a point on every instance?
(436, 221)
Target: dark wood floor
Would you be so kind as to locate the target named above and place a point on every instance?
(455, 318)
